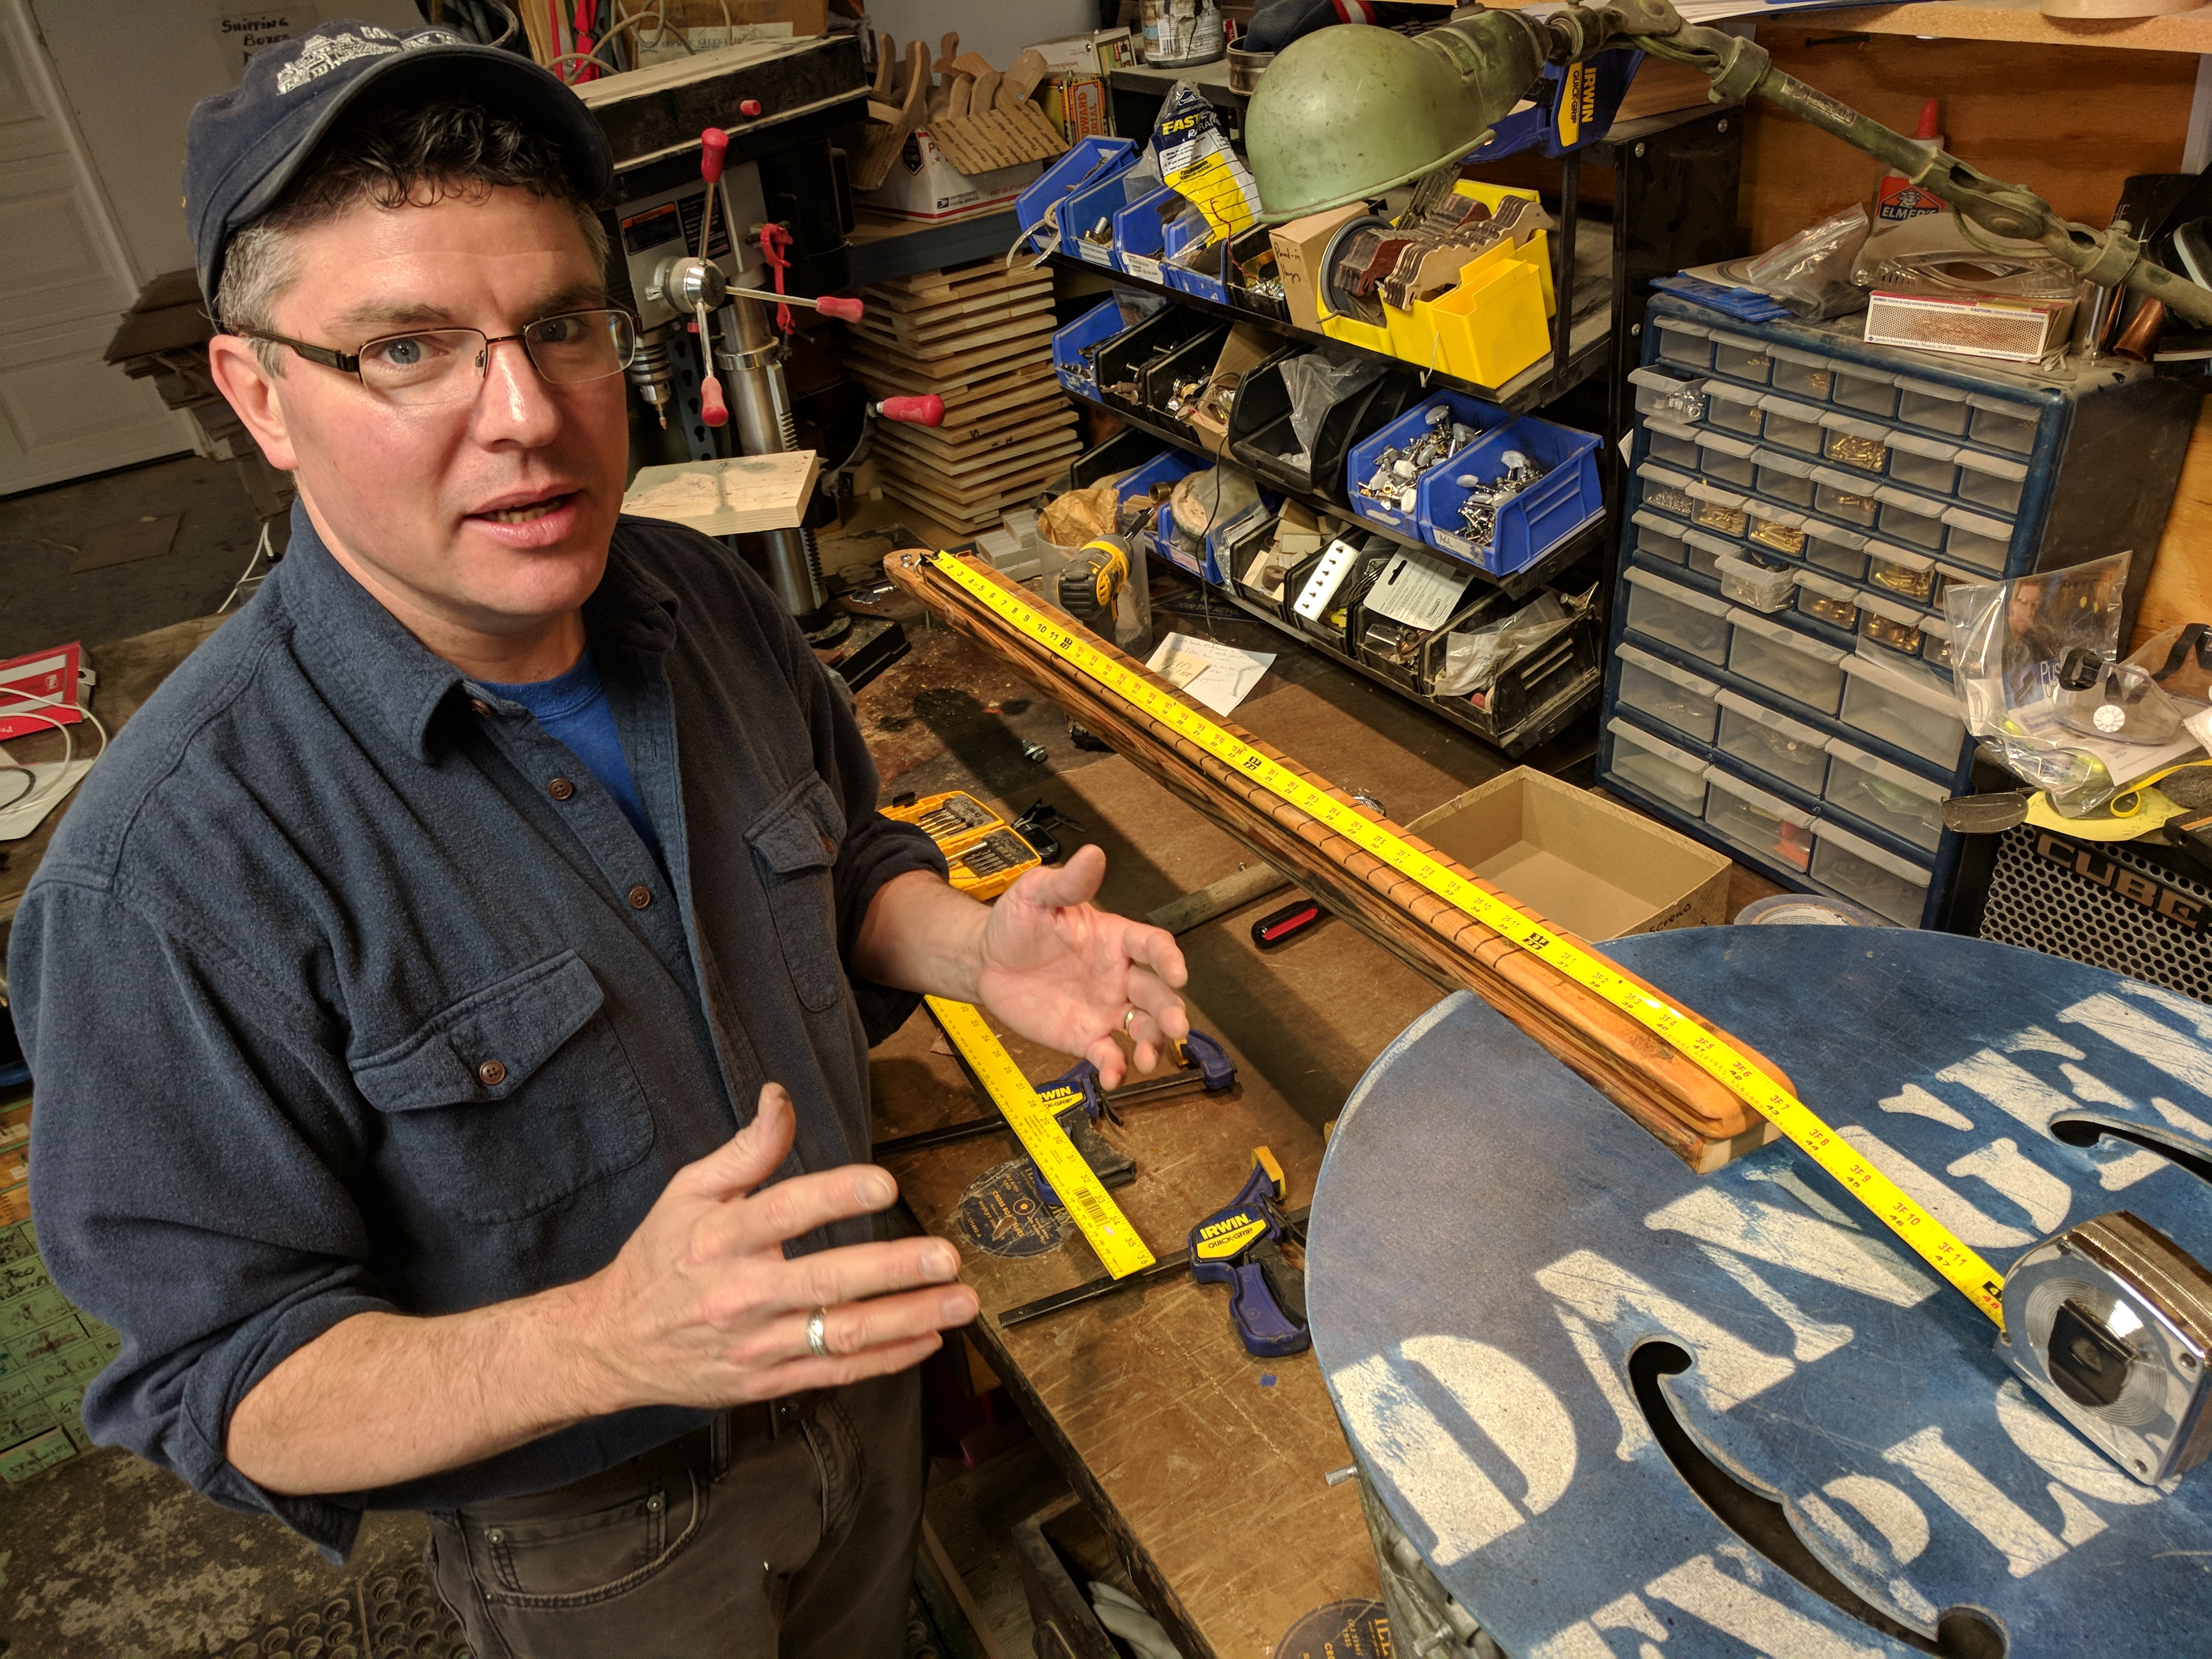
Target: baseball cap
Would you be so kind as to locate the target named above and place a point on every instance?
(243, 146)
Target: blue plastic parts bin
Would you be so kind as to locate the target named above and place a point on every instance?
(1206, 282)
(1147, 231)
(1168, 466)
(1100, 323)
(1534, 522)
(1087, 161)
(1105, 196)
(1359, 464)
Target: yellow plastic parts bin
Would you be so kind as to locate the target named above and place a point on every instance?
(1488, 327)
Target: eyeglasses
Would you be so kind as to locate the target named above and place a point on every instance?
(449, 365)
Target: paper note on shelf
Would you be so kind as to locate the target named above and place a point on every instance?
(1417, 591)
(1219, 676)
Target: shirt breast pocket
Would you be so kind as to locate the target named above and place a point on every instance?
(512, 1099)
(795, 847)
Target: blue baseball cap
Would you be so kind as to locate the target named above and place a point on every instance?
(244, 146)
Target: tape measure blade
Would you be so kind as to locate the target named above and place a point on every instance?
(1120, 1250)
(1929, 1238)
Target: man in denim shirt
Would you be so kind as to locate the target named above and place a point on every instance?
(450, 998)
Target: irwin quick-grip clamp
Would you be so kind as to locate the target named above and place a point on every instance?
(1240, 1246)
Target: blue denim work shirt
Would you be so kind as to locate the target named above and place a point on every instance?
(347, 988)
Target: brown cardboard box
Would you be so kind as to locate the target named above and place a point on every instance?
(1298, 248)
(1247, 347)
(1586, 863)
(1077, 105)
(1099, 53)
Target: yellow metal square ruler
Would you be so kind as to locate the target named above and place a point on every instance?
(1933, 1242)
(1120, 1248)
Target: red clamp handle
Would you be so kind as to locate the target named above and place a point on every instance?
(749, 107)
(714, 143)
(844, 310)
(925, 411)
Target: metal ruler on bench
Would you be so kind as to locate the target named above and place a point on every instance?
(1118, 1244)
(1935, 1243)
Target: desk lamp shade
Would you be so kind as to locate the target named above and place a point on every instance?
(1348, 112)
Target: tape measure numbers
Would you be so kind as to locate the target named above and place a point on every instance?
(1935, 1243)
(1120, 1248)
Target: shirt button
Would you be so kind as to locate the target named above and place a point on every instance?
(482, 708)
(640, 897)
(560, 789)
(491, 1075)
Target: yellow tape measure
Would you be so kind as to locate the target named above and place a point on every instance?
(1981, 1283)
(1119, 1247)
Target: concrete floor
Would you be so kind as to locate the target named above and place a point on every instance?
(103, 1558)
(43, 603)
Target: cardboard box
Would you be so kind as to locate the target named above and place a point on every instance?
(1247, 347)
(1299, 246)
(1588, 864)
(1077, 105)
(1099, 53)
(926, 188)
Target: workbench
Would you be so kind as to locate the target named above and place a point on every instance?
(1211, 1483)
(129, 671)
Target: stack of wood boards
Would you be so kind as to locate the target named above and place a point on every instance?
(164, 339)
(980, 336)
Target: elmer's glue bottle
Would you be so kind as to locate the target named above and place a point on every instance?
(1897, 197)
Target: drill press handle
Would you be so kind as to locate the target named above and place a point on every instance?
(927, 409)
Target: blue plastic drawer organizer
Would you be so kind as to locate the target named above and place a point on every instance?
(1827, 730)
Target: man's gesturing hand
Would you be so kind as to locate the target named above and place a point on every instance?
(702, 1309)
(1065, 973)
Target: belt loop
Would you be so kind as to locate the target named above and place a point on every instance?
(719, 1432)
(774, 1417)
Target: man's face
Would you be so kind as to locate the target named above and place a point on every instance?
(487, 516)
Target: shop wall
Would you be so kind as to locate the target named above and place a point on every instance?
(997, 29)
(132, 71)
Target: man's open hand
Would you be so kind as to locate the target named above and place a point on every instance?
(1065, 973)
(701, 1308)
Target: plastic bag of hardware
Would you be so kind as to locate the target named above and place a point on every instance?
(2037, 671)
(1317, 384)
(1475, 657)
(1811, 271)
(1932, 256)
(1191, 141)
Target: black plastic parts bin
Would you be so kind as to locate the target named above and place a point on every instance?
(1260, 438)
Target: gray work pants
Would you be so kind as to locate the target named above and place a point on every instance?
(794, 1545)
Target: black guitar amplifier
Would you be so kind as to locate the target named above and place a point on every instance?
(2142, 911)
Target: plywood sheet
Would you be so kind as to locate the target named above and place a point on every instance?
(728, 497)
(2180, 589)
(2071, 126)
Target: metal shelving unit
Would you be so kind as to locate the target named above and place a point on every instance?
(1520, 584)
(1587, 352)
(1545, 723)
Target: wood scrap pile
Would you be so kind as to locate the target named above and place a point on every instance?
(980, 336)
(164, 339)
(981, 120)
(1691, 1113)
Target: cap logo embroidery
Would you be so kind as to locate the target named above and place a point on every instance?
(321, 53)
